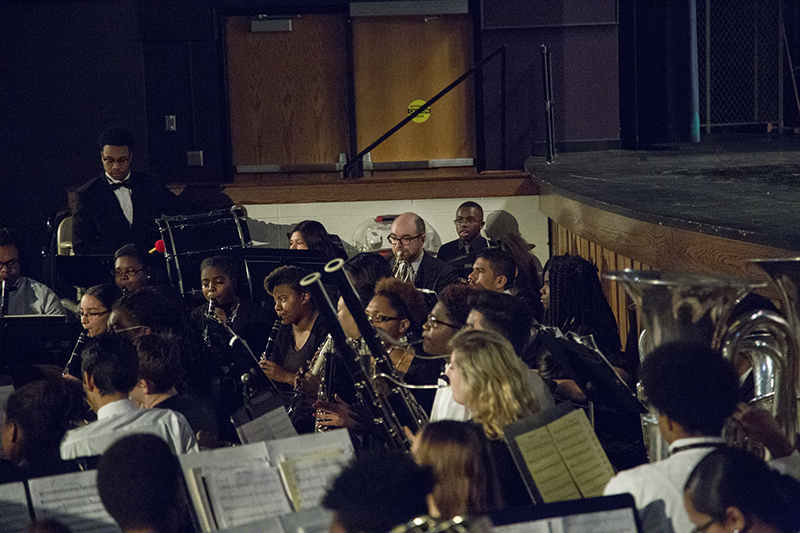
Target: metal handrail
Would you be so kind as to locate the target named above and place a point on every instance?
(358, 159)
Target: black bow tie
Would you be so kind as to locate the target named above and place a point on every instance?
(117, 185)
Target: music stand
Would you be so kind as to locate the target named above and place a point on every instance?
(36, 340)
(592, 371)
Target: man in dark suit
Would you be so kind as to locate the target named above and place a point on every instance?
(407, 238)
(469, 222)
(119, 206)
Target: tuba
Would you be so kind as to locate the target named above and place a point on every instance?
(402, 268)
(692, 307)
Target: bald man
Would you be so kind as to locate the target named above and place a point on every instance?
(407, 238)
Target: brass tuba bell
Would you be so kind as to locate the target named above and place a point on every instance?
(692, 307)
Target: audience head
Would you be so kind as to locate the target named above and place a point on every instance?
(490, 380)
(293, 302)
(493, 270)
(574, 301)
(140, 484)
(397, 308)
(692, 386)
(311, 235)
(9, 256)
(469, 221)
(109, 366)
(116, 152)
(445, 319)
(131, 268)
(377, 492)
(159, 366)
(733, 490)
(407, 237)
(466, 477)
(218, 280)
(502, 313)
(36, 417)
(96, 305)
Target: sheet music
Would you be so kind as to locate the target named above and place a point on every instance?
(615, 521)
(549, 473)
(245, 494)
(195, 465)
(584, 456)
(72, 499)
(273, 425)
(14, 513)
(308, 478)
(313, 443)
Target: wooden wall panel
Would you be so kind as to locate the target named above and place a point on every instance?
(401, 59)
(288, 91)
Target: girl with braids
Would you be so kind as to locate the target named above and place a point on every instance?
(733, 490)
(573, 300)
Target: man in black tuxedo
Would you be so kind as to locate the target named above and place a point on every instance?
(119, 206)
(407, 238)
(469, 222)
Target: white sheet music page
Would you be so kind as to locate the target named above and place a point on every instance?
(195, 466)
(270, 426)
(245, 494)
(72, 499)
(14, 513)
(309, 463)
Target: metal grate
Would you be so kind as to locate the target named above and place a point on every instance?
(739, 54)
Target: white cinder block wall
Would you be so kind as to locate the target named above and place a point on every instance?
(342, 218)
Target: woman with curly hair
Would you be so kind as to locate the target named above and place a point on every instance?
(462, 463)
(489, 379)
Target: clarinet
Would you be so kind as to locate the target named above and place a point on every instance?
(73, 366)
(4, 292)
(276, 327)
(212, 304)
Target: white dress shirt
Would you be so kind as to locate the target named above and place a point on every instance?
(123, 195)
(121, 418)
(29, 297)
(658, 487)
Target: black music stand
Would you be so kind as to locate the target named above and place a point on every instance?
(36, 340)
(592, 371)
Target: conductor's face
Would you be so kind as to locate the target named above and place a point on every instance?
(116, 161)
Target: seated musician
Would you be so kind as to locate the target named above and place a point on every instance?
(219, 283)
(311, 235)
(469, 222)
(399, 309)
(159, 371)
(131, 268)
(96, 304)
(109, 368)
(695, 391)
(493, 270)
(302, 332)
(24, 295)
(488, 378)
(407, 238)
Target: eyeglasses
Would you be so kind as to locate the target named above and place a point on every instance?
(435, 321)
(113, 329)
(468, 220)
(704, 528)
(405, 241)
(111, 160)
(11, 265)
(81, 314)
(127, 273)
(380, 319)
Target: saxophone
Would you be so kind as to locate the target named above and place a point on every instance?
(402, 268)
